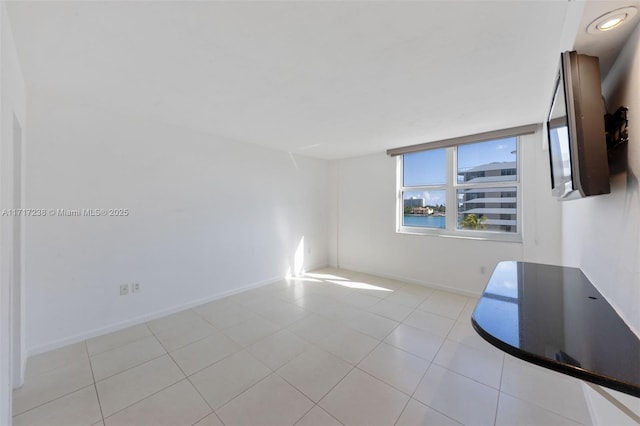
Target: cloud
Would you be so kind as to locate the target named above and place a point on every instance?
(434, 198)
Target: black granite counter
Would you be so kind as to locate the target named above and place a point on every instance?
(554, 317)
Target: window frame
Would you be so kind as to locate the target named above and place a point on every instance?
(451, 187)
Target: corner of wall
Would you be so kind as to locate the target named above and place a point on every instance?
(12, 104)
(333, 207)
(601, 234)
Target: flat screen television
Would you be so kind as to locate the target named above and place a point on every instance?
(576, 132)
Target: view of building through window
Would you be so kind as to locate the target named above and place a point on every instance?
(421, 210)
(485, 187)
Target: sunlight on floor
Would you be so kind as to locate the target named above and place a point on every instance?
(324, 276)
(359, 285)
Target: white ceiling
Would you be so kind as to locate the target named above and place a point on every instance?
(605, 45)
(329, 79)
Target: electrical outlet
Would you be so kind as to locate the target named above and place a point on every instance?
(135, 287)
(124, 289)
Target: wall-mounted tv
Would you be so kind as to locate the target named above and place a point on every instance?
(577, 139)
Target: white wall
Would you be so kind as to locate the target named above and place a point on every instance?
(208, 217)
(333, 213)
(601, 235)
(367, 240)
(12, 94)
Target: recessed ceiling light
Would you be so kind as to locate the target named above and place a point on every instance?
(611, 23)
(611, 20)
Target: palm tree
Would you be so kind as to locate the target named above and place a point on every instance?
(472, 221)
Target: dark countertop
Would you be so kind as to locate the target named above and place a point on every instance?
(554, 317)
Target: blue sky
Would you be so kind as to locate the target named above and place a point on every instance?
(430, 167)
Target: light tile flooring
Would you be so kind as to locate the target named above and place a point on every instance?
(335, 347)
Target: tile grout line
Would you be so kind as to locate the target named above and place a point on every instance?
(54, 399)
(541, 407)
(306, 412)
(143, 399)
(382, 341)
(315, 404)
(444, 338)
(197, 390)
(95, 387)
(495, 413)
(411, 397)
(131, 368)
(460, 318)
(402, 411)
(210, 365)
(466, 377)
(86, 342)
(472, 348)
(249, 388)
(194, 341)
(327, 392)
(103, 353)
(423, 403)
(201, 419)
(353, 367)
(531, 402)
(242, 348)
(63, 395)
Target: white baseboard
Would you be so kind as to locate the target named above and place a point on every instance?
(164, 312)
(145, 318)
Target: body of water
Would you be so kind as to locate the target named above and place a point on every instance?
(425, 221)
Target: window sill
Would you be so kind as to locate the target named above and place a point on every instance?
(463, 235)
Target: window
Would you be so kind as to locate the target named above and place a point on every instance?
(470, 189)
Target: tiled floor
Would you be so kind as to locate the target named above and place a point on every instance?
(335, 347)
